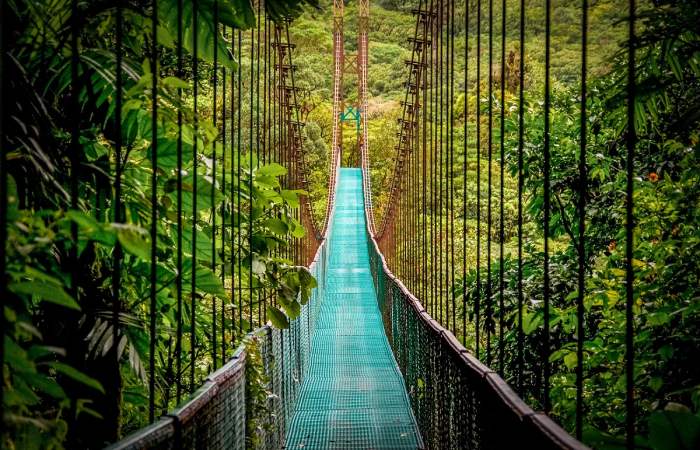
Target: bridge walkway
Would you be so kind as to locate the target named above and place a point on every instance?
(353, 396)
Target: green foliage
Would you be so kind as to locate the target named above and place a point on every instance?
(666, 310)
(258, 396)
(60, 336)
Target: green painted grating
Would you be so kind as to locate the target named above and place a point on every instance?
(353, 395)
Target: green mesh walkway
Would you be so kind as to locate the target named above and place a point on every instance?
(353, 396)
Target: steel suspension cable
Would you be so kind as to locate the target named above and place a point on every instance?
(444, 305)
(477, 305)
(265, 142)
(257, 155)
(502, 163)
(451, 41)
(118, 216)
(154, 213)
(234, 188)
(444, 161)
(433, 130)
(223, 204)
(265, 93)
(214, 347)
(238, 185)
(465, 165)
(250, 185)
(438, 158)
(581, 210)
(435, 149)
(178, 282)
(521, 112)
(74, 156)
(546, 206)
(445, 214)
(195, 164)
(424, 163)
(489, 219)
(631, 142)
(414, 182)
(3, 199)
(74, 143)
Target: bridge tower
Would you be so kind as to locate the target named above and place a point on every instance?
(350, 63)
(338, 70)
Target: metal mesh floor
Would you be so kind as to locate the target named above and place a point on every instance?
(353, 396)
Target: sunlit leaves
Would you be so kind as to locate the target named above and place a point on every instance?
(270, 171)
(237, 14)
(277, 317)
(134, 240)
(206, 281)
(277, 226)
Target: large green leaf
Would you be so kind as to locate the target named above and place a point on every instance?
(49, 292)
(298, 230)
(277, 226)
(291, 197)
(204, 187)
(134, 240)
(281, 9)
(236, 13)
(44, 384)
(307, 282)
(674, 430)
(277, 317)
(167, 153)
(271, 170)
(204, 244)
(91, 229)
(206, 280)
(231, 13)
(76, 375)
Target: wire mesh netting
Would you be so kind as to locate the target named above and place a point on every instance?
(458, 402)
(354, 396)
(214, 417)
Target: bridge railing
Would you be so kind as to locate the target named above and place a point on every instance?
(458, 401)
(215, 416)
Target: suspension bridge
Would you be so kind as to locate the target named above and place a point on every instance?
(377, 357)
(367, 364)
